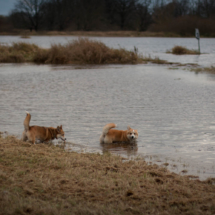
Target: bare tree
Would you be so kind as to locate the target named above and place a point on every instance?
(181, 7)
(31, 11)
(88, 14)
(143, 14)
(124, 9)
(207, 8)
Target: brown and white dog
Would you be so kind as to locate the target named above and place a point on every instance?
(110, 135)
(43, 134)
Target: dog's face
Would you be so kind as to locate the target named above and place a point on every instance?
(132, 134)
(60, 133)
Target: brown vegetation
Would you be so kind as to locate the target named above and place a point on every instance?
(45, 179)
(81, 51)
(204, 69)
(18, 53)
(179, 50)
(155, 60)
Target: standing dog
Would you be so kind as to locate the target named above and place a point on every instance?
(111, 135)
(43, 134)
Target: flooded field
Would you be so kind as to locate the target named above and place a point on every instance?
(173, 109)
(155, 47)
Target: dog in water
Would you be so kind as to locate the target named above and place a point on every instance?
(43, 134)
(110, 135)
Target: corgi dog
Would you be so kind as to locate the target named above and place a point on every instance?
(110, 135)
(43, 134)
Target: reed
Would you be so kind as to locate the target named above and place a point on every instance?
(45, 179)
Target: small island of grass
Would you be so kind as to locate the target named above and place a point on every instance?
(81, 51)
(180, 50)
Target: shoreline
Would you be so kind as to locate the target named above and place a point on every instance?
(27, 33)
(47, 179)
(177, 163)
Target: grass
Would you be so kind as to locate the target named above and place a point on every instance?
(204, 69)
(180, 50)
(45, 179)
(81, 51)
(155, 60)
(18, 53)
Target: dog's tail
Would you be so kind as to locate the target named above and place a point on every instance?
(105, 131)
(107, 128)
(27, 121)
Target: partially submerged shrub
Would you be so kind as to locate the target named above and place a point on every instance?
(179, 50)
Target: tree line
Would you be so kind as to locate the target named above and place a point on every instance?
(89, 15)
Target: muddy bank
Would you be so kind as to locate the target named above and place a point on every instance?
(45, 179)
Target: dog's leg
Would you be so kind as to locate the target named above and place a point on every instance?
(33, 140)
(107, 140)
(101, 140)
(24, 136)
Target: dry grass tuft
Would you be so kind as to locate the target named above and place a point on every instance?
(155, 60)
(204, 69)
(44, 179)
(18, 53)
(85, 51)
(180, 50)
(81, 51)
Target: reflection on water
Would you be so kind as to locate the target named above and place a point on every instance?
(121, 148)
(173, 110)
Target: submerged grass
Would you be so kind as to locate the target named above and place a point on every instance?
(81, 51)
(44, 179)
(180, 50)
(155, 60)
(204, 69)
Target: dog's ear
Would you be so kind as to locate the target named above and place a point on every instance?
(128, 128)
(60, 126)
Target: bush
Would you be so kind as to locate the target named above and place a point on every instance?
(179, 50)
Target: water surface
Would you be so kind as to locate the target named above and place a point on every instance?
(173, 110)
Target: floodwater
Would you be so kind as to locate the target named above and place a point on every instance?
(155, 47)
(172, 109)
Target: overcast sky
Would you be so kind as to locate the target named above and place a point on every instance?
(6, 6)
